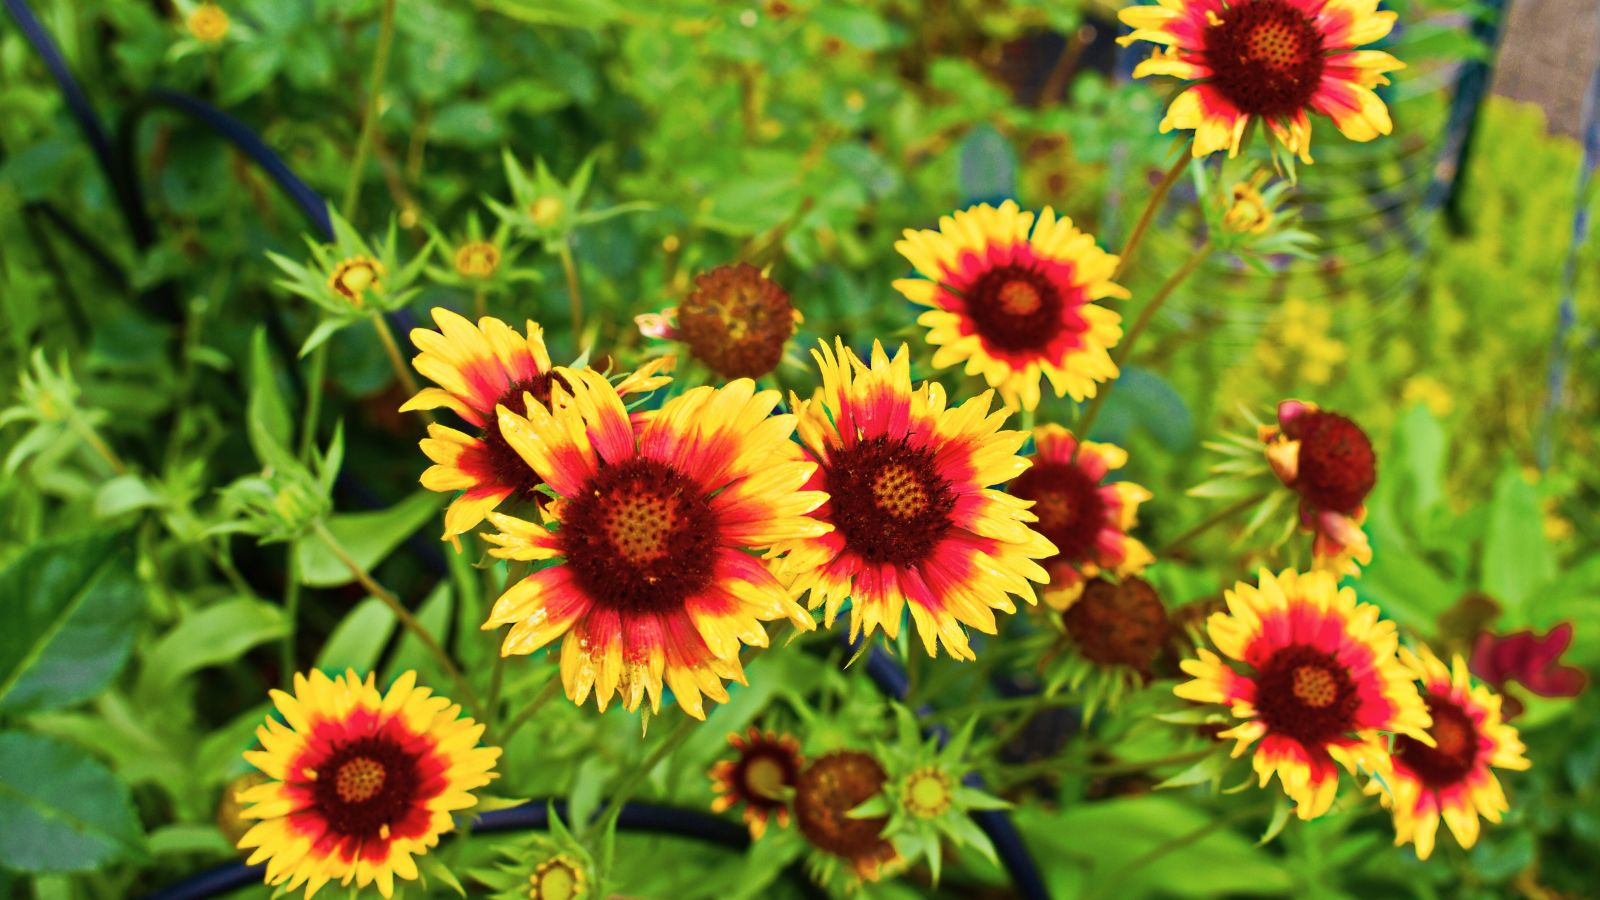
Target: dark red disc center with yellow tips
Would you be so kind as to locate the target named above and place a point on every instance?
(641, 537)
(1455, 748)
(1014, 308)
(1306, 694)
(1068, 503)
(508, 467)
(1122, 624)
(1266, 57)
(1337, 466)
(827, 791)
(889, 502)
(365, 785)
(763, 772)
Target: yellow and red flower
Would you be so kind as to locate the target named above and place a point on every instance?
(761, 777)
(913, 521)
(1013, 298)
(1451, 777)
(360, 782)
(652, 578)
(479, 367)
(1086, 518)
(1273, 60)
(1329, 462)
(1323, 683)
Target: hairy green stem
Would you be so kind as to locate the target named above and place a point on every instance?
(369, 117)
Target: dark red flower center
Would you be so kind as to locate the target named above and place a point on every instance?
(762, 773)
(507, 466)
(1455, 748)
(1122, 624)
(1068, 503)
(1014, 308)
(1306, 694)
(1266, 57)
(366, 784)
(827, 791)
(641, 537)
(889, 502)
(1337, 465)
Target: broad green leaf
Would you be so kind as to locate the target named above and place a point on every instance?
(1516, 554)
(123, 494)
(216, 634)
(60, 810)
(359, 639)
(181, 839)
(368, 537)
(72, 611)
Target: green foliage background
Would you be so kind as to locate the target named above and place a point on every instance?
(139, 640)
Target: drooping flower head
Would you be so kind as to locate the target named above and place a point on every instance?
(361, 782)
(1321, 683)
(761, 776)
(1086, 518)
(1452, 776)
(829, 789)
(914, 523)
(1529, 659)
(1273, 60)
(652, 577)
(1328, 461)
(736, 321)
(1013, 299)
(479, 367)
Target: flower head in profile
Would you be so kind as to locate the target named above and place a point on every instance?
(649, 576)
(1328, 461)
(1270, 60)
(1529, 659)
(359, 782)
(736, 320)
(913, 522)
(761, 776)
(832, 787)
(478, 368)
(1451, 777)
(1319, 687)
(1013, 297)
(1085, 516)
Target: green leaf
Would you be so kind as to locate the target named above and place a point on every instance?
(216, 634)
(368, 537)
(266, 409)
(72, 612)
(435, 615)
(1208, 769)
(246, 69)
(172, 840)
(124, 494)
(60, 810)
(1516, 554)
(358, 641)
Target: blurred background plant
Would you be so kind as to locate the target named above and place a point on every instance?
(580, 163)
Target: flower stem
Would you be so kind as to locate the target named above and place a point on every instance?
(551, 689)
(369, 117)
(1211, 521)
(1151, 207)
(96, 443)
(574, 291)
(1124, 350)
(309, 416)
(396, 359)
(619, 797)
(1026, 771)
(446, 664)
